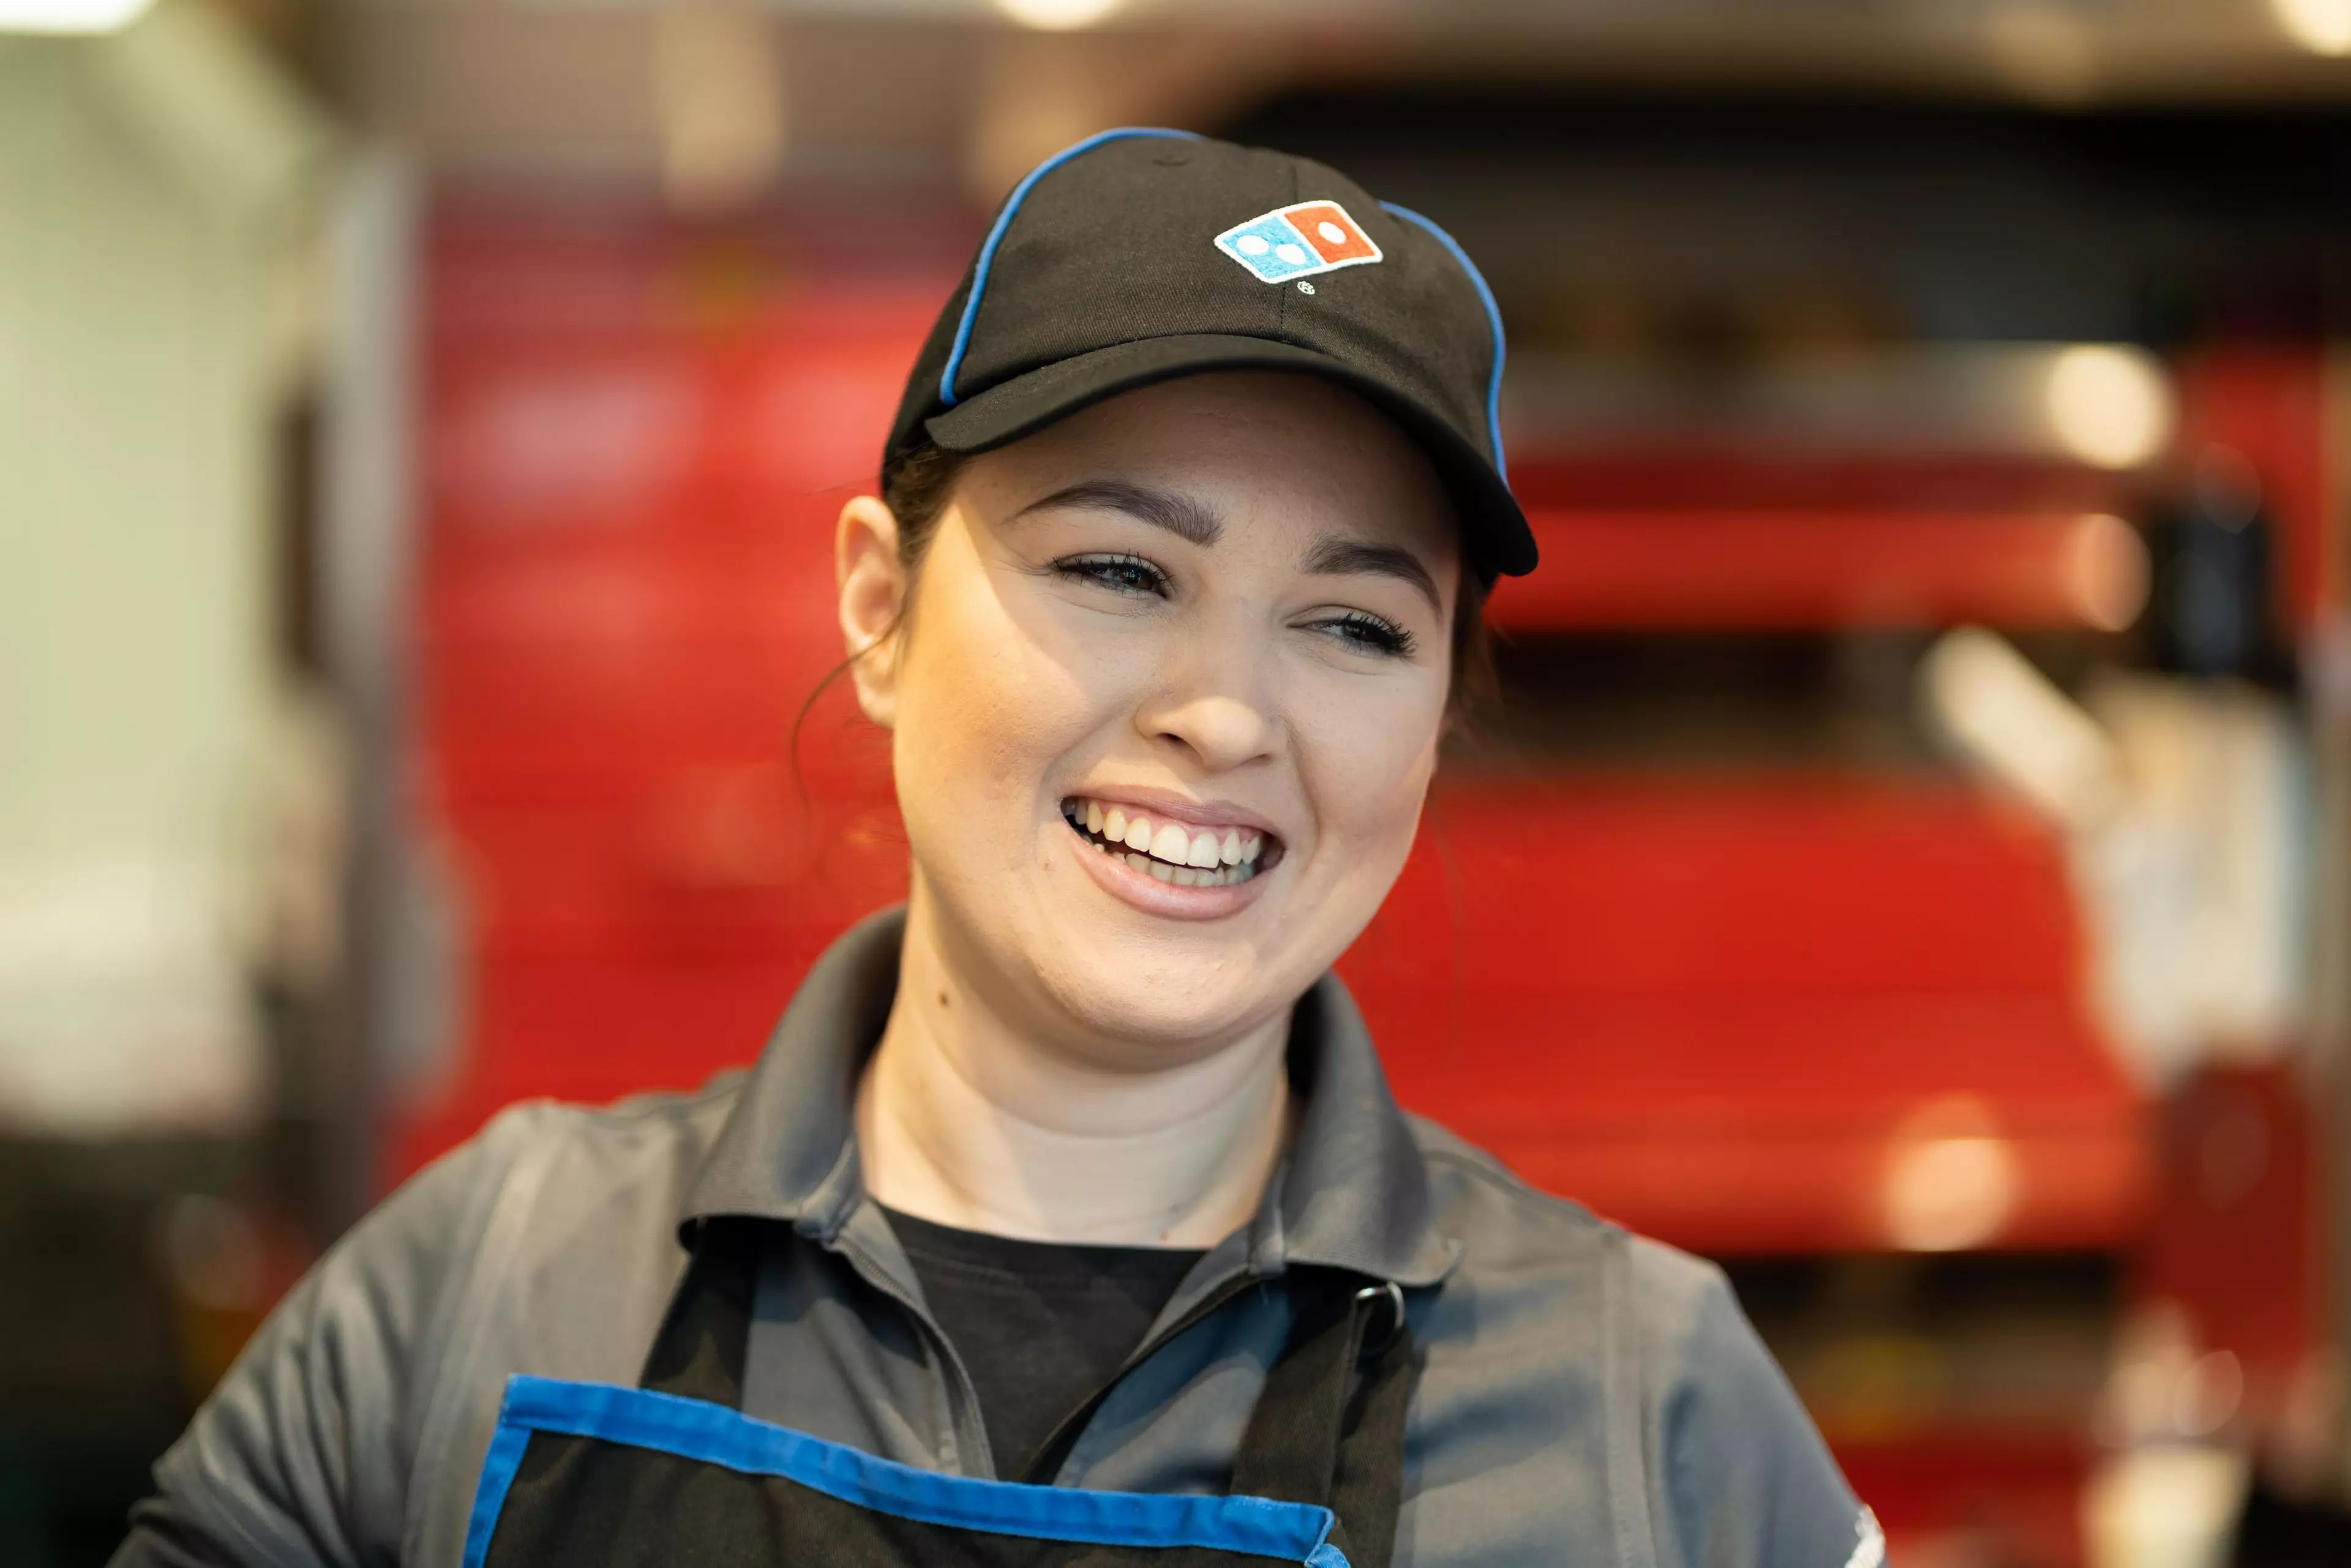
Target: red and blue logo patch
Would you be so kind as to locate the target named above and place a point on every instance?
(1298, 241)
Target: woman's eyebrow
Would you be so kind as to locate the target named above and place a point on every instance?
(1334, 554)
(1186, 517)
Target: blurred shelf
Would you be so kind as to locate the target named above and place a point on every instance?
(1687, 569)
(1903, 402)
(1761, 1016)
(1688, 475)
(1973, 1497)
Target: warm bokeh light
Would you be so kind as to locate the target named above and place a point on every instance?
(2107, 571)
(1943, 1194)
(2108, 404)
(69, 15)
(1058, 15)
(2167, 1506)
(719, 101)
(2322, 26)
(2019, 725)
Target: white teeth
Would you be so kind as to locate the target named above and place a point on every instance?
(1186, 857)
(1184, 875)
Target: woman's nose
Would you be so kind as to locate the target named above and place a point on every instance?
(1218, 712)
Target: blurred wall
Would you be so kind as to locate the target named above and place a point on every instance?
(154, 183)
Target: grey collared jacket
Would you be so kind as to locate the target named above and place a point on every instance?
(1586, 1398)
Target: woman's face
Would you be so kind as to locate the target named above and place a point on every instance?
(1165, 705)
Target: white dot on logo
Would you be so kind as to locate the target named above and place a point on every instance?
(1250, 245)
(1294, 254)
(1304, 287)
(1330, 231)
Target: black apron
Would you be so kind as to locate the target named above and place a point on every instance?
(673, 1474)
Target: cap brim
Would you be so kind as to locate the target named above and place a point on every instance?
(1494, 530)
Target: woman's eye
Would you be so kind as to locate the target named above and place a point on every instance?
(1120, 573)
(1367, 632)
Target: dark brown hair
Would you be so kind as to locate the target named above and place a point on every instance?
(921, 480)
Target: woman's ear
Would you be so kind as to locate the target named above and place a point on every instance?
(873, 603)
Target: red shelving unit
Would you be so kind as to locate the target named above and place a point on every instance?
(1722, 1011)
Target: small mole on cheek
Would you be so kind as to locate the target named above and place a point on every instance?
(943, 998)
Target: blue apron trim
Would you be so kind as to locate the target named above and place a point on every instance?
(713, 1433)
(499, 1466)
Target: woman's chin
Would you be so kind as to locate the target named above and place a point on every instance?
(1161, 1015)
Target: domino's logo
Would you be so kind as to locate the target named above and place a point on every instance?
(1299, 242)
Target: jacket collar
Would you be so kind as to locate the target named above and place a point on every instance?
(1353, 1194)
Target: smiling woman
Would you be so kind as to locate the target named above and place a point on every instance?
(1209, 610)
(1067, 1219)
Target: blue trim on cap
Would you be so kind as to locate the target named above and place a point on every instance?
(1493, 319)
(1293, 1533)
(1004, 221)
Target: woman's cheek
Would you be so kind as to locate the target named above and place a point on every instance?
(1367, 767)
(987, 712)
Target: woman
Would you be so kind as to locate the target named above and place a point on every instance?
(1067, 1216)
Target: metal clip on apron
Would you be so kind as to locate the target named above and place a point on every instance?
(673, 1474)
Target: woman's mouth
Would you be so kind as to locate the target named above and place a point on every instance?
(1171, 852)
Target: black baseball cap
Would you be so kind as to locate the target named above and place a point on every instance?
(1139, 255)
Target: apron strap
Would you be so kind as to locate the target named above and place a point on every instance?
(705, 1335)
(1369, 1489)
(1329, 1426)
(1321, 1432)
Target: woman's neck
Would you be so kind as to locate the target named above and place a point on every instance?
(965, 1120)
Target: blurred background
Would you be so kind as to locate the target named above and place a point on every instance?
(1910, 861)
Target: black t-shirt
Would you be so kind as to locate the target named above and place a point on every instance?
(1041, 1325)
